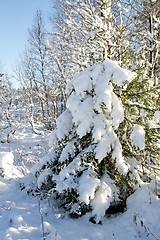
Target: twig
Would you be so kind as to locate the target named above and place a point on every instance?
(147, 229)
(42, 219)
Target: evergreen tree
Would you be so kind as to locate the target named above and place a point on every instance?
(142, 95)
(86, 169)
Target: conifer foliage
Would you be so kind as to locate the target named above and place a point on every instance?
(85, 169)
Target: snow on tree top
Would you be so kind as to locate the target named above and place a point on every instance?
(91, 91)
(109, 71)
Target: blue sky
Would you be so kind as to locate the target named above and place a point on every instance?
(16, 17)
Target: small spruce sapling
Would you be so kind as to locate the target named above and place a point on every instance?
(85, 169)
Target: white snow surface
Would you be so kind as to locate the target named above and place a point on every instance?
(21, 217)
(157, 116)
(6, 163)
(64, 126)
(102, 201)
(138, 136)
(21, 214)
(87, 187)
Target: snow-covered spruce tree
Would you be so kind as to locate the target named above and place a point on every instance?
(141, 98)
(85, 168)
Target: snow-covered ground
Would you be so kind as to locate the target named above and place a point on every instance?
(25, 217)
